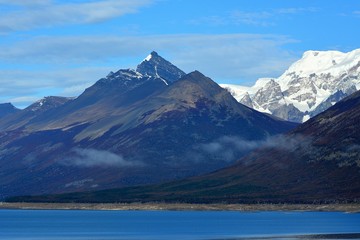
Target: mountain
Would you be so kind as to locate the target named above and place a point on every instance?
(154, 65)
(311, 85)
(21, 118)
(317, 162)
(6, 109)
(47, 103)
(131, 127)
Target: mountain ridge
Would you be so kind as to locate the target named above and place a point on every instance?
(128, 129)
(317, 162)
(309, 86)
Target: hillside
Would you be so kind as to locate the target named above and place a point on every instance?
(318, 162)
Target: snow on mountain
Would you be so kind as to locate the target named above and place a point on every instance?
(153, 69)
(311, 85)
(155, 65)
(47, 103)
(148, 57)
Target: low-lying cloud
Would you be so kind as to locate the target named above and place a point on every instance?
(232, 148)
(97, 158)
(228, 148)
(288, 143)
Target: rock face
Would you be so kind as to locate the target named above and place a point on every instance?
(132, 127)
(311, 85)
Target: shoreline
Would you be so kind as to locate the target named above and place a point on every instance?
(325, 236)
(348, 208)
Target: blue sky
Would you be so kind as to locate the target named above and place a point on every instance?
(53, 47)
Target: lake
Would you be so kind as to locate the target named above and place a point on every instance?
(170, 225)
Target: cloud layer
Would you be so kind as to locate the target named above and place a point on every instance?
(223, 57)
(97, 158)
(46, 13)
(265, 18)
(232, 148)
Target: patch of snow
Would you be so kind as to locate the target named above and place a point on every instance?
(129, 73)
(257, 107)
(323, 62)
(158, 76)
(357, 85)
(305, 118)
(260, 83)
(237, 91)
(148, 58)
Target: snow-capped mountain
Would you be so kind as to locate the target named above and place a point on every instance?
(154, 65)
(311, 85)
(131, 127)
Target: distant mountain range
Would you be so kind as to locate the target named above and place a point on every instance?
(21, 118)
(317, 162)
(142, 126)
(311, 85)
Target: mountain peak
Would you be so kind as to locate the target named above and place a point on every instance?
(7, 108)
(196, 74)
(155, 65)
(333, 62)
(154, 54)
(47, 103)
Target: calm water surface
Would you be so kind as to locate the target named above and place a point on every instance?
(174, 225)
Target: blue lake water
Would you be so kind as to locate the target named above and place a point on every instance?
(174, 225)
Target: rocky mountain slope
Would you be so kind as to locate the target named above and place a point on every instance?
(317, 162)
(132, 127)
(311, 85)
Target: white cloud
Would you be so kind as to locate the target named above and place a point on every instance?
(231, 148)
(22, 87)
(23, 101)
(25, 3)
(265, 18)
(228, 148)
(252, 18)
(42, 13)
(97, 158)
(238, 52)
(295, 10)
